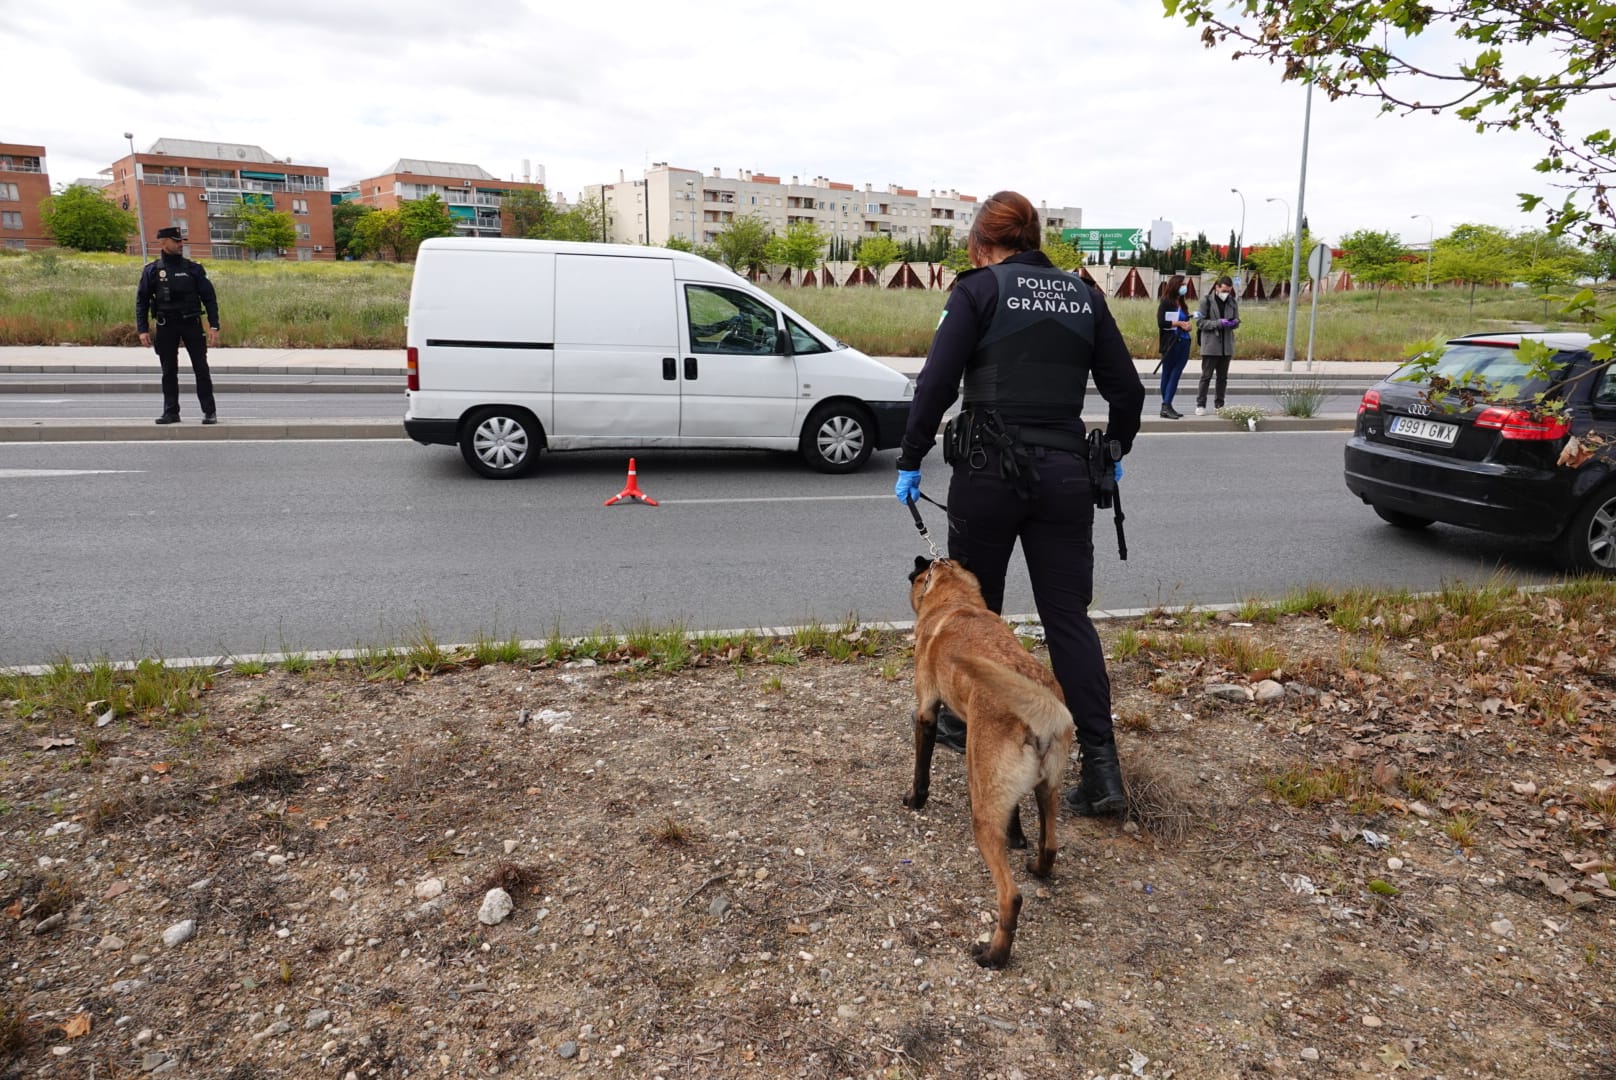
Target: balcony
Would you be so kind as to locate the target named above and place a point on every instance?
(27, 165)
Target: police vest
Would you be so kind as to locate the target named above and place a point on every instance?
(174, 290)
(1039, 344)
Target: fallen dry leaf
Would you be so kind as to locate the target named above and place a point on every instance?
(78, 1027)
(53, 742)
(117, 888)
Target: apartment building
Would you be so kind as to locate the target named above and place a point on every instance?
(474, 194)
(671, 202)
(195, 185)
(24, 181)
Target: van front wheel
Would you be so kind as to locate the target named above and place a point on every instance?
(838, 438)
(500, 443)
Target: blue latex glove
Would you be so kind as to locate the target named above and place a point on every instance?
(907, 489)
(1117, 471)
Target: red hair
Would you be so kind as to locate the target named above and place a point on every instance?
(1006, 220)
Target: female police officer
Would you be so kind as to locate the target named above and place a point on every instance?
(1025, 337)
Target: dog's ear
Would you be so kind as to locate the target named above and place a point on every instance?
(921, 565)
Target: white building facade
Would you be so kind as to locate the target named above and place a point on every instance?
(670, 202)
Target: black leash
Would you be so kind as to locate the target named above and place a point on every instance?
(914, 508)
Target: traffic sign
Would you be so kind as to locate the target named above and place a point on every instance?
(1318, 262)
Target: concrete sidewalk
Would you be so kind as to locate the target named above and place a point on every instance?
(70, 369)
(120, 360)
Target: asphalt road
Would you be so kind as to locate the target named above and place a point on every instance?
(204, 549)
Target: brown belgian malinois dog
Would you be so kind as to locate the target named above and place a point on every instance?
(1018, 731)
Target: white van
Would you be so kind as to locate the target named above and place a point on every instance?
(517, 346)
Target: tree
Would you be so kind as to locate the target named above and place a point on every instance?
(1473, 255)
(742, 244)
(679, 243)
(1602, 257)
(799, 247)
(1375, 258)
(1272, 258)
(958, 260)
(529, 212)
(423, 219)
(261, 228)
(1061, 253)
(1528, 60)
(84, 219)
(876, 253)
(580, 224)
(345, 217)
(382, 233)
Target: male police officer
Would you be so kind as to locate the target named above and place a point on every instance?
(175, 291)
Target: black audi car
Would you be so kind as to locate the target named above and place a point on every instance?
(1493, 467)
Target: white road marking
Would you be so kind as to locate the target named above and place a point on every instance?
(31, 400)
(778, 499)
(23, 474)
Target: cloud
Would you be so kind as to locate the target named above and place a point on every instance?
(1106, 106)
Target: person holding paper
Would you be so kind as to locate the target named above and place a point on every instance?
(1173, 321)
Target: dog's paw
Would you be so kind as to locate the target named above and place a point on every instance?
(914, 801)
(986, 957)
(1040, 866)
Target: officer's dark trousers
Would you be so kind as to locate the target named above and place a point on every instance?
(167, 335)
(1055, 526)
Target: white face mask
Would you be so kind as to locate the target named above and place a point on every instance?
(1224, 294)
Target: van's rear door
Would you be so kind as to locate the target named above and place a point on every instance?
(616, 349)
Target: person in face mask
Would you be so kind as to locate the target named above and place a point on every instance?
(1173, 321)
(1219, 316)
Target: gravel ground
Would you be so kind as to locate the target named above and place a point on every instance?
(1383, 852)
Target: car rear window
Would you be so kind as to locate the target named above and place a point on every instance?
(1500, 365)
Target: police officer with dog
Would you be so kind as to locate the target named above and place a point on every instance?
(175, 291)
(1025, 337)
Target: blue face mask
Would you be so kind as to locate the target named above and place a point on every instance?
(1183, 290)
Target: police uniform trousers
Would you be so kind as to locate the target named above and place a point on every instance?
(1056, 529)
(167, 335)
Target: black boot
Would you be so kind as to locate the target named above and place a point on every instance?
(1099, 787)
(950, 730)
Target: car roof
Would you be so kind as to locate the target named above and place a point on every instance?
(1565, 340)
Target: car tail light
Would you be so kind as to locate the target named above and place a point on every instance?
(412, 364)
(1371, 400)
(1521, 424)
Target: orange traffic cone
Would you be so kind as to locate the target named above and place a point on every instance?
(631, 490)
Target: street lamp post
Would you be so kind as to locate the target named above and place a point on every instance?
(1429, 245)
(134, 187)
(690, 197)
(1240, 238)
(1296, 232)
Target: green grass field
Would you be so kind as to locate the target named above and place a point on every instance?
(49, 298)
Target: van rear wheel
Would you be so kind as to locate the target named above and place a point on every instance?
(499, 442)
(838, 438)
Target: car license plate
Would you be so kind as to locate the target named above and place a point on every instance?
(1431, 431)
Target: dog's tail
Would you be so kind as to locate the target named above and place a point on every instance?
(1035, 704)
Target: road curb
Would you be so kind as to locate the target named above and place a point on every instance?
(191, 431)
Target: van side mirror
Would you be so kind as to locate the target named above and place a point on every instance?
(782, 341)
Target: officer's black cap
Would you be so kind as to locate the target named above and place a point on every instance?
(169, 232)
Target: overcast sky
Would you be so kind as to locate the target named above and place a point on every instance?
(1103, 104)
